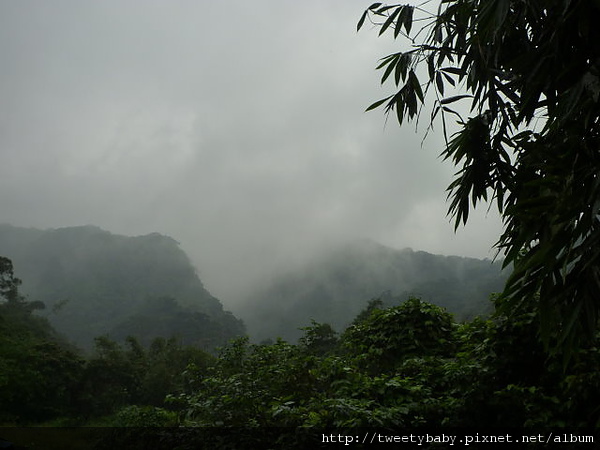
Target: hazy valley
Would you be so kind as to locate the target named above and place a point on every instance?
(97, 283)
(131, 337)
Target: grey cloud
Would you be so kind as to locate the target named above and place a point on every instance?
(236, 128)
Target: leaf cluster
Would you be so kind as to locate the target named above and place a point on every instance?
(403, 366)
(531, 70)
(116, 376)
(39, 371)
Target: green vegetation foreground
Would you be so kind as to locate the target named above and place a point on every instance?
(404, 366)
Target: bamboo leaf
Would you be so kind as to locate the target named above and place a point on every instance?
(377, 104)
(400, 21)
(361, 21)
(390, 67)
(454, 98)
(416, 86)
(454, 70)
(389, 21)
(408, 19)
(439, 83)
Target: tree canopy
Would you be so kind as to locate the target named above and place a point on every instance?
(9, 284)
(529, 72)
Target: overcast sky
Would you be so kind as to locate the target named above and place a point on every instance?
(238, 128)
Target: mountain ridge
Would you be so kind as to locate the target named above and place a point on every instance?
(92, 281)
(336, 286)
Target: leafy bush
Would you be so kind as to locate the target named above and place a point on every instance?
(388, 336)
(144, 416)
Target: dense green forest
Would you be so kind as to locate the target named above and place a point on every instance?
(94, 283)
(43, 376)
(411, 365)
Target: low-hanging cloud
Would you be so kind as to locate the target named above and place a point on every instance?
(238, 129)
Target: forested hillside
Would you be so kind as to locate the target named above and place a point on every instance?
(392, 368)
(94, 282)
(335, 287)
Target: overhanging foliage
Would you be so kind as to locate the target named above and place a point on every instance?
(530, 71)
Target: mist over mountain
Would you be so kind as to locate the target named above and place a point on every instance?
(337, 285)
(94, 282)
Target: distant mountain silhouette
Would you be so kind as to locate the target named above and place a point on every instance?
(337, 286)
(94, 283)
